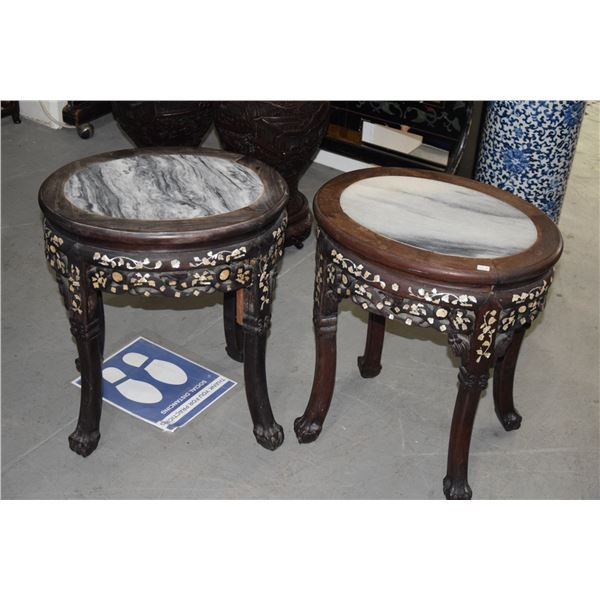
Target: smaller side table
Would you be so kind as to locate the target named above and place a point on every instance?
(431, 250)
(173, 222)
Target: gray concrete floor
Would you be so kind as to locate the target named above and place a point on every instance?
(383, 438)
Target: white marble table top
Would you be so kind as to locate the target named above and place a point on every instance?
(163, 187)
(438, 216)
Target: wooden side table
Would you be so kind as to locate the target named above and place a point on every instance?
(432, 250)
(173, 222)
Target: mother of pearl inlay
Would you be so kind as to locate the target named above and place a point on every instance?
(438, 216)
(163, 187)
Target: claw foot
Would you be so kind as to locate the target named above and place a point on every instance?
(84, 443)
(306, 431)
(510, 420)
(298, 242)
(298, 231)
(367, 371)
(269, 437)
(457, 490)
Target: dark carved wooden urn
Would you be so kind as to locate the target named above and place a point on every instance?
(285, 135)
(164, 123)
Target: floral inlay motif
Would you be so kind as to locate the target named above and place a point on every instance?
(54, 256)
(526, 306)
(220, 270)
(264, 285)
(266, 264)
(441, 297)
(406, 310)
(319, 275)
(486, 335)
(126, 262)
(213, 258)
(243, 274)
(56, 240)
(176, 284)
(459, 320)
(453, 312)
(356, 270)
(75, 289)
(202, 278)
(427, 308)
(99, 279)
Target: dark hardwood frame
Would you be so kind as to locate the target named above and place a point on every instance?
(483, 313)
(235, 253)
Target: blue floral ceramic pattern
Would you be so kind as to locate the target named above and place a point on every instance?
(527, 148)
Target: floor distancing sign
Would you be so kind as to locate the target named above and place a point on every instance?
(159, 386)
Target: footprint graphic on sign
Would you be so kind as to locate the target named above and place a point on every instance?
(141, 391)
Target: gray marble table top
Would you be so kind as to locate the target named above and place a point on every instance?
(438, 216)
(163, 187)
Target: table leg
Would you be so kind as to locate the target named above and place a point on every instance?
(86, 316)
(473, 376)
(325, 315)
(369, 364)
(257, 318)
(101, 337)
(504, 376)
(234, 334)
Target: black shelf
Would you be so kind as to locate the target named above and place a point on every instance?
(452, 126)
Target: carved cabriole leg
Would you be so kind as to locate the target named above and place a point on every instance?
(325, 314)
(86, 317)
(504, 375)
(257, 318)
(477, 359)
(369, 364)
(102, 330)
(234, 334)
(100, 307)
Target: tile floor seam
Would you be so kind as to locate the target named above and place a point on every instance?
(11, 464)
(12, 226)
(284, 273)
(505, 452)
(203, 330)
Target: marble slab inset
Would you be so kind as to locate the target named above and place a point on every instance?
(163, 187)
(438, 216)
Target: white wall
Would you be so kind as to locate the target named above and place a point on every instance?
(32, 110)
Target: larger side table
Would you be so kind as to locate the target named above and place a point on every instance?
(173, 222)
(432, 250)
